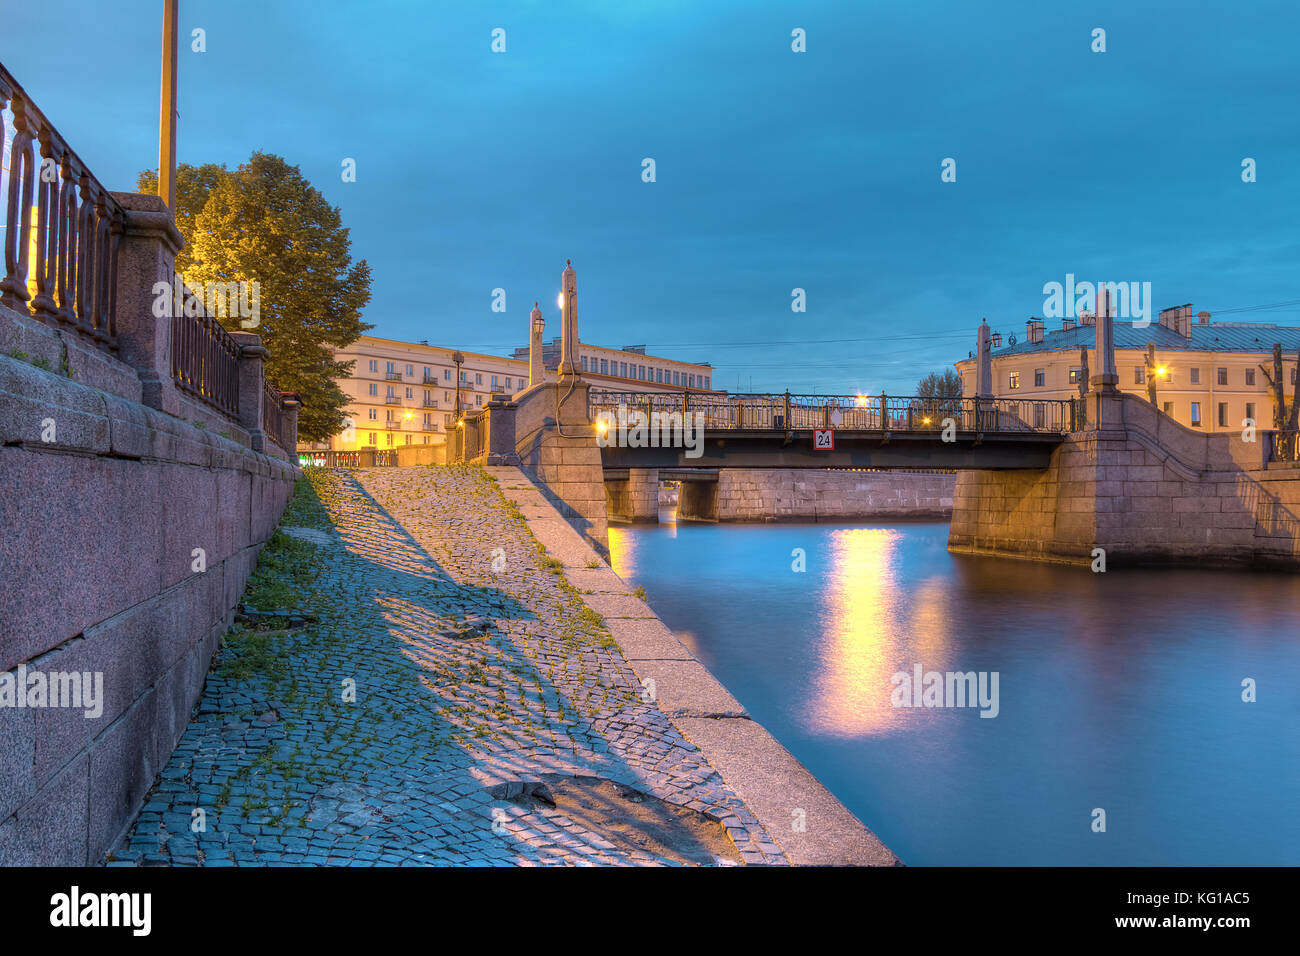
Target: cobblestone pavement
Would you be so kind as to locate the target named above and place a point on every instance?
(452, 676)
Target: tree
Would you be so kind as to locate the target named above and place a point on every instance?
(264, 222)
(934, 385)
(1285, 418)
(935, 400)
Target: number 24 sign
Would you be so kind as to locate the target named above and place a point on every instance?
(823, 439)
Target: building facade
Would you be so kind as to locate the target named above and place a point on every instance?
(405, 393)
(1207, 374)
(629, 368)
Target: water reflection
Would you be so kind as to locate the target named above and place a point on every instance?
(1120, 690)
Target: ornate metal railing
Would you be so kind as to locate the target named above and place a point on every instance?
(61, 226)
(273, 417)
(205, 361)
(1283, 445)
(879, 413)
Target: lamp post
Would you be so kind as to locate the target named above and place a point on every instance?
(459, 359)
(167, 109)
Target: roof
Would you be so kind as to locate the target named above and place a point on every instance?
(1215, 337)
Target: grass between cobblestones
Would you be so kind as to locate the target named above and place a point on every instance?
(366, 735)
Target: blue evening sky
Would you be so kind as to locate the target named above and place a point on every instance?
(775, 169)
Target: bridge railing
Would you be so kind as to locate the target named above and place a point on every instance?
(882, 413)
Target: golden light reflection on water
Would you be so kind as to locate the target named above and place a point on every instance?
(868, 633)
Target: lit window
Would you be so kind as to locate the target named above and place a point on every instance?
(1013, 380)
(1075, 374)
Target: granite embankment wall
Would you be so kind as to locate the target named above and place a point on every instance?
(785, 494)
(127, 536)
(1143, 488)
(789, 494)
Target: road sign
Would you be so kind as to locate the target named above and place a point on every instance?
(823, 439)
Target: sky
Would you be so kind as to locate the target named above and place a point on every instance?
(775, 170)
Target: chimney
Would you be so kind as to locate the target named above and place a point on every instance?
(1178, 319)
(1034, 331)
(1068, 325)
(1202, 318)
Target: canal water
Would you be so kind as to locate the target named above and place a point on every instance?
(1120, 692)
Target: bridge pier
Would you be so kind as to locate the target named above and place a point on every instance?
(1140, 488)
(633, 497)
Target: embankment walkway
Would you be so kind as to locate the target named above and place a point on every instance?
(477, 687)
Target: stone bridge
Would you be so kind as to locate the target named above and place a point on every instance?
(1047, 480)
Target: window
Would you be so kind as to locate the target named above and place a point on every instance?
(1250, 412)
(1250, 376)
(446, 375)
(409, 393)
(374, 438)
(374, 413)
(706, 383)
(388, 395)
(1196, 376)
(374, 389)
(374, 365)
(521, 381)
(408, 437)
(428, 420)
(659, 375)
(677, 378)
(389, 436)
(1040, 377)
(1196, 413)
(1013, 380)
(446, 419)
(1169, 409)
(584, 363)
(390, 368)
(1139, 375)
(1223, 376)
(478, 400)
(622, 369)
(494, 381)
(1292, 376)
(604, 366)
(478, 378)
(410, 370)
(1223, 414)
(1075, 373)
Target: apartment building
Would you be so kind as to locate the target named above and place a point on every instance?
(1207, 374)
(629, 368)
(405, 393)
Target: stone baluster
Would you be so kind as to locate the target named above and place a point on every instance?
(252, 386)
(18, 224)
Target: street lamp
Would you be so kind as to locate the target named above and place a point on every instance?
(459, 359)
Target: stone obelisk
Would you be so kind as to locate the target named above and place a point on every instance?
(569, 367)
(536, 367)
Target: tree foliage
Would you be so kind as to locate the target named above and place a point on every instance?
(936, 385)
(264, 222)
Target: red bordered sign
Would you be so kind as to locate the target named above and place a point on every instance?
(823, 439)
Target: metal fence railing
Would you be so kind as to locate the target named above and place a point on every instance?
(879, 413)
